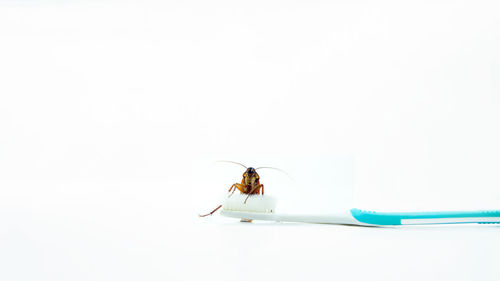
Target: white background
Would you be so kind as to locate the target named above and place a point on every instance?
(112, 114)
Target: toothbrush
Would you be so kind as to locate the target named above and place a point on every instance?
(262, 207)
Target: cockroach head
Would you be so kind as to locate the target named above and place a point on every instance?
(250, 171)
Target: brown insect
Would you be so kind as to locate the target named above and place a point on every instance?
(250, 184)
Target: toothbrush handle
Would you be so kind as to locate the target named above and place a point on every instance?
(416, 218)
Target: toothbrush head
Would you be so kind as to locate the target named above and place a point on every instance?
(255, 203)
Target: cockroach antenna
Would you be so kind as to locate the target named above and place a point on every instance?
(224, 161)
(273, 168)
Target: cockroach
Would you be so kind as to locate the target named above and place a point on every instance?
(250, 184)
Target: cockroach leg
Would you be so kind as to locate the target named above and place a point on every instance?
(211, 212)
(238, 186)
(232, 187)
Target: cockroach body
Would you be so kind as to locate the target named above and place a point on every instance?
(250, 184)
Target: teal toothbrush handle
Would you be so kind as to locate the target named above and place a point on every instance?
(417, 218)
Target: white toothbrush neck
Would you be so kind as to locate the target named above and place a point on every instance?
(339, 218)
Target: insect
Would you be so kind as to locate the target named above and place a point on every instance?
(250, 184)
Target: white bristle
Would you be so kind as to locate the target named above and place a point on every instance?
(255, 203)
